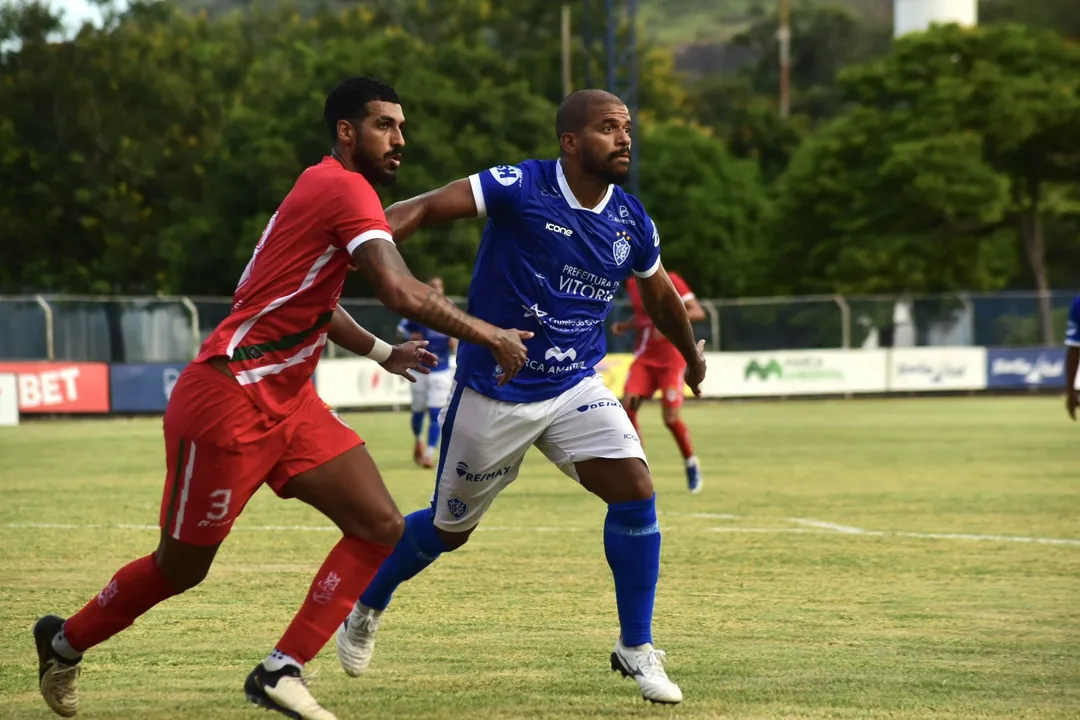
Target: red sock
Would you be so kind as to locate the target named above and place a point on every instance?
(133, 590)
(682, 437)
(632, 414)
(344, 574)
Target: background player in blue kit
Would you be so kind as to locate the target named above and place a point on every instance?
(430, 392)
(561, 239)
(1072, 357)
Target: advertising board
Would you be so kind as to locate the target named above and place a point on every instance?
(142, 388)
(61, 387)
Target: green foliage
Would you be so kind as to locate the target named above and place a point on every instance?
(953, 151)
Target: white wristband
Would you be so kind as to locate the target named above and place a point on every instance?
(380, 351)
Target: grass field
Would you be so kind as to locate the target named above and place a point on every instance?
(863, 559)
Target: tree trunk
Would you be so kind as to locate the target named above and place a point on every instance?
(1031, 235)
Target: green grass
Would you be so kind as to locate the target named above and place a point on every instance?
(761, 615)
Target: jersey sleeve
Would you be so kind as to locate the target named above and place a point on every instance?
(681, 287)
(1072, 327)
(498, 191)
(356, 216)
(647, 255)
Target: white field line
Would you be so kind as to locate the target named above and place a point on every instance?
(814, 527)
(810, 522)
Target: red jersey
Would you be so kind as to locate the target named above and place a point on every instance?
(287, 293)
(652, 347)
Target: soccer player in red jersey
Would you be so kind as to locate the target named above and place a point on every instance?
(659, 366)
(245, 412)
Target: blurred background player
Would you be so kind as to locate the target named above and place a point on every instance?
(1072, 357)
(245, 411)
(430, 392)
(560, 240)
(658, 365)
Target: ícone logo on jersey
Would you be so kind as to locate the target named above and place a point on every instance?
(558, 354)
(506, 174)
(621, 247)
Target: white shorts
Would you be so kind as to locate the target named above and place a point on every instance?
(431, 391)
(485, 440)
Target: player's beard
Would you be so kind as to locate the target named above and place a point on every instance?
(374, 168)
(605, 169)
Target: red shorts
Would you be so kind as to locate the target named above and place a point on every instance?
(220, 448)
(645, 379)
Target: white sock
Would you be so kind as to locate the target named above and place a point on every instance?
(277, 660)
(691, 461)
(63, 648)
(430, 452)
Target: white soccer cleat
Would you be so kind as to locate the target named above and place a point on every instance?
(356, 639)
(58, 677)
(284, 691)
(645, 665)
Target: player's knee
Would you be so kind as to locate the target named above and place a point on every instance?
(454, 540)
(384, 529)
(184, 568)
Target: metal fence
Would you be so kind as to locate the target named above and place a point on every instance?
(170, 329)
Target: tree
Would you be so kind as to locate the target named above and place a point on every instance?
(708, 207)
(1015, 89)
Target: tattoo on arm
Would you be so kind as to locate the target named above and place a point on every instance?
(399, 290)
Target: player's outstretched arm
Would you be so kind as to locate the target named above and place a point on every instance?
(403, 294)
(448, 203)
(345, 332)
(668, 312)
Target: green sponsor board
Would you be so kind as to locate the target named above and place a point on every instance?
(793, 369)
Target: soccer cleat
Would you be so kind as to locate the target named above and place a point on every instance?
(693, 475)
(58, 677)
(356, 639)
(418, 452)
(645, 665)
(429, 458)
(284, 691)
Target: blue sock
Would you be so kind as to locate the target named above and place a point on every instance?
(632, 547)
(417, 423)
(433, 427)
(417, 549)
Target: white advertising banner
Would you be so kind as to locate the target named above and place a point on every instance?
(931, 368)
(803, 372)
(359, 382)
(9, 399)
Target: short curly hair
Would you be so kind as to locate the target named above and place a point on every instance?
(349, 99)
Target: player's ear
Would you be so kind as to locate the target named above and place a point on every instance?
(569, 143)
(345, 131)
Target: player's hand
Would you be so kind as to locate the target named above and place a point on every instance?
(620, 328)
(509, 350)
(695, 370)
(410, 355)
(1071, 403)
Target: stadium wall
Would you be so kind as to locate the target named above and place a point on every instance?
(72, 388)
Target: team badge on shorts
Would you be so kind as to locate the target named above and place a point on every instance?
(621, 247)
(457, 508)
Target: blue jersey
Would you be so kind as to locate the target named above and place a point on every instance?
(438, 344)
(549, 265)
(1072, 328)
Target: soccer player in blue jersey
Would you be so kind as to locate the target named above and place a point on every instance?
(561, 239)
(1072, 357)
(429, 394)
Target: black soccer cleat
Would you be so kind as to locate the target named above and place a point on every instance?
(284, 691)
(58, 677)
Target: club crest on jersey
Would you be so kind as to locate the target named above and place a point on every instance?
(621, 247)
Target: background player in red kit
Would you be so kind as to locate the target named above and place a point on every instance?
(245, 411)
(659, 366)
